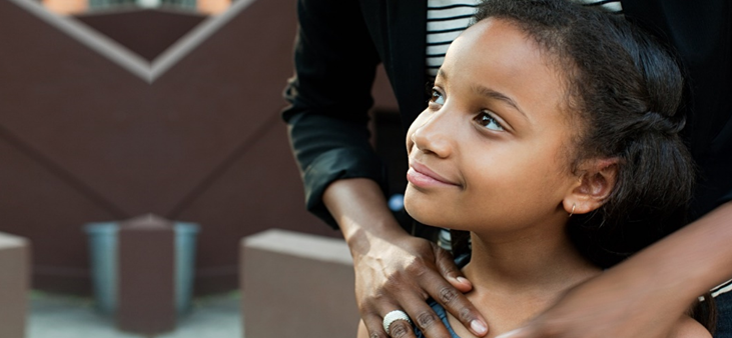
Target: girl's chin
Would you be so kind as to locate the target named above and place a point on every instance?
(428, 214)
(417, 212)
(432, 214)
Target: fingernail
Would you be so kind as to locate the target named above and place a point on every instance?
(478, 327)
(463, 280)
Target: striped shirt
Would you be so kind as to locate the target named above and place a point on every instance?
(446, 19)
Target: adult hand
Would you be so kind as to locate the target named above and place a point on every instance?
(400, 274)
(396, 271)
(644, 295)
(608, 306)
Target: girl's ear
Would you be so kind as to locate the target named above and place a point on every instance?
(596, 181)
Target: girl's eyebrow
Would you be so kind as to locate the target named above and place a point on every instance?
(441, 73)
(489, 93)
(492, 94)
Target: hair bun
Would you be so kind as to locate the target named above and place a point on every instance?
(652, 121)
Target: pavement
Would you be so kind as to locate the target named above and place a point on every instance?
(63, 316)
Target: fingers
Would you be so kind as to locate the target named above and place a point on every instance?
(362, 331)
(452, 298)
(398, 328)
(460, 307)
(447, 268)
(425, 318)
(401, 329)
(374, 326)
(403, 277)
(399, 324)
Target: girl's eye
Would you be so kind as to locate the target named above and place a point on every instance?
(437, 97)
(486, 120)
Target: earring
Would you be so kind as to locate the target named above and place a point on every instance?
(572, 212)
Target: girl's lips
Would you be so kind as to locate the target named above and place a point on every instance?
(421, 176)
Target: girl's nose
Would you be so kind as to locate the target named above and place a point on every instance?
(434, 136)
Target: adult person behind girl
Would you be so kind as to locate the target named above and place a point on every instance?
(541, 110)
(339, 45)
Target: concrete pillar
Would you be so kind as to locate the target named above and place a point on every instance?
(14, 285)
(146, 294)
(297, 285)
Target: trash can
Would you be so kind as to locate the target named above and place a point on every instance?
(185, 264)
(103, 252)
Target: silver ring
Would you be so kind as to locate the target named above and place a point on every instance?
(393, 316)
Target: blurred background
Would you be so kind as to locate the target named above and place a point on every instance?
(112, 109)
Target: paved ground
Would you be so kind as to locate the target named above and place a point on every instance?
(58, 316)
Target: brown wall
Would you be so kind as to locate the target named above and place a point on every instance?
(83, 140)
(146, 32)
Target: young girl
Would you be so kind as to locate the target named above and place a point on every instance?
(552, 137)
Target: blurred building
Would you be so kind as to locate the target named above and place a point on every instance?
(72, 7)
(113, 109)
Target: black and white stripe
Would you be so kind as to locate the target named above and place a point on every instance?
(446, 19)
(723, 288)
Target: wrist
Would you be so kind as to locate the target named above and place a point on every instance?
(689, 262)
(651, 276)
(359, 207)
(372, 238)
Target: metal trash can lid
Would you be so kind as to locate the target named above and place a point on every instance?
(102, 228)
(184, 227)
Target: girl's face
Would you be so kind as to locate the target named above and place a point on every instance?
(490, 153)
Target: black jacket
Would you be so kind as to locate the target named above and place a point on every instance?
(341, 42)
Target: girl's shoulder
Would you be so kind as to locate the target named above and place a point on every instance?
(687, 327)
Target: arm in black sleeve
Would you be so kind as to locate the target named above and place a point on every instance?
(329, 96)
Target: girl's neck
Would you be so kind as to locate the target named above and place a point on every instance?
(536, 261)
(517, 276)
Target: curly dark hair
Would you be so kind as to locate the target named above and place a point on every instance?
(625, 90)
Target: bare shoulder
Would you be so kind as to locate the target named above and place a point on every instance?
(362, 332)
(687, 327)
